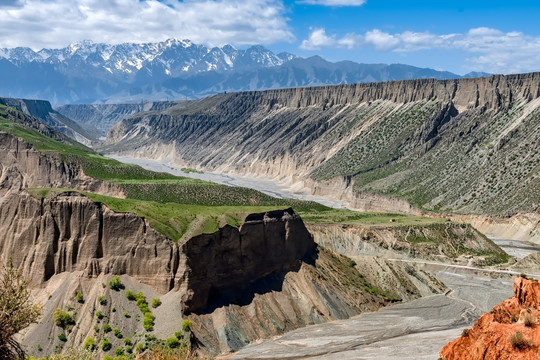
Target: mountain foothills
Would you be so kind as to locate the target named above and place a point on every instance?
(87, 72)
(462, 146)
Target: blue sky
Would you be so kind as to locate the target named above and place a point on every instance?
(458, 36)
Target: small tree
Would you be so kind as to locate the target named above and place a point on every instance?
(116, 283)
(16, 311)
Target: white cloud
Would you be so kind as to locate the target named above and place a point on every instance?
(333, 2)
(491, 50)
(56, 23)
(318, 39)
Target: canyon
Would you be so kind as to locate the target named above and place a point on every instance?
(446, 160)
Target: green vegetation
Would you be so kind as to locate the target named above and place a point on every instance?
(62, 337)
(117, 333)
(99, 315)
(191, 170)
(107, 328)
(156, 302)
(90, 344)
(63, 319)
(79, 297)
(106, 345)
(119, 352)
(101, 299)
(173, 343)
(186, 325)
(116, 283)
(17, 311)
(130, 294)
(148, 319)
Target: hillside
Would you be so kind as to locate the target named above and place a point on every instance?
(233, 261)
(464, 146)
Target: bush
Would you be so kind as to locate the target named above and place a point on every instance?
(63, 319)
(126, 314)
(127, 342)
(107, 328)
(113, 309)
(173, 343)
(156, 302)
(119, 351)
(117, 333)
(102, 300)
(106, 345)
(129, 349)
(186, 325)
(148, 323)
(17, 310)
(465, 332)
(179, 335)
(99, 315)
(130, 295)
(80, 298)
(90, 344)
(62, 337)
(139, 348)
(518, 341)
(528, 320)
(116, 283)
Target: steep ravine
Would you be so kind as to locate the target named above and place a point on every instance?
(454, 145)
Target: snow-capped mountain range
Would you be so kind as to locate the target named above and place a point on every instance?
(172, 57)
(88, 72)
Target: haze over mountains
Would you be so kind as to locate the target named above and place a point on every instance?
(87, 72)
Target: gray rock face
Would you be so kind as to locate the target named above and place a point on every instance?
(21, 166)
(104, 116)
(437, 144)
(72, 233)
(228, 261)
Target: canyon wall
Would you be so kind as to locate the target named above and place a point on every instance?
(465, 146)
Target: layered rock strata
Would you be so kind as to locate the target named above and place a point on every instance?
(509, 331)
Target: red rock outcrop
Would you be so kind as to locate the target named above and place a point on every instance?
(510, 331)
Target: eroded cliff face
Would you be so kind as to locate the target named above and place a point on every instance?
(221, 265)
(21, 167)
(70, 233)
(495, 335)
(461, 145)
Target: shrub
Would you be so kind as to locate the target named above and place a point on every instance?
(62, 337)
(173, 342)
(186, 325)
(130, 295)
(523, 275)
(80, 298)
(528, 320)
(90, 344)
(156, 302)
(119, 351)
(139, 348)
(117, 333)
(17, 310)
(99, 315)
(63, 319)
(127, 342)
(113, 309)
(116, 283)
(106, 345)
(352, 263)
(106, 328)
(518, 341)
(126, 314)
(148, 324)
(129, 349)
(179, 335)
(102, 300)
(465, 332)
